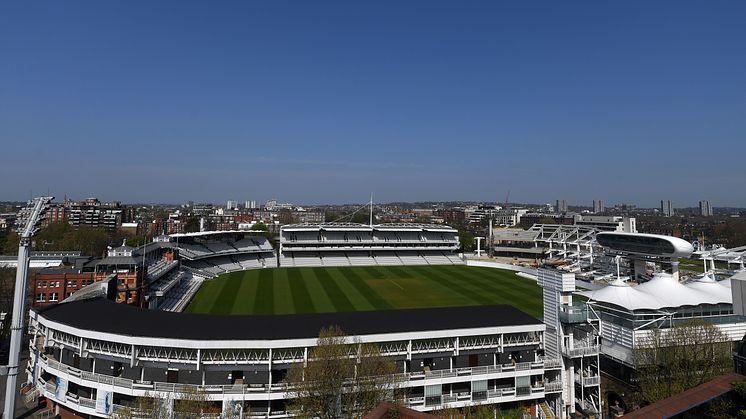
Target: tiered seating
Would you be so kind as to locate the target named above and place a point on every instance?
(192, 251)
(454, 259)
(311, 259)
(219, 247)
(437, 259)
(268, 260)
(248, 261)
(412, 258)
(159, 268)
(387, 258)
(287, 261)
(334, 259)
(360, 259)
(336, 236)
(166, 283)
(248, 244)
(180, 295)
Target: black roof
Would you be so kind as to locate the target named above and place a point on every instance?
(102, 315)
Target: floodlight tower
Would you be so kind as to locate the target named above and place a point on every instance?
(35, 210)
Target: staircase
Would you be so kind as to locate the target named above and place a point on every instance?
(545, 411)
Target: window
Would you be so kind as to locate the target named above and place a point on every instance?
(40, 298)
(53, 297)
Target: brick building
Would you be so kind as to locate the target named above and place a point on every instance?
(49, 286)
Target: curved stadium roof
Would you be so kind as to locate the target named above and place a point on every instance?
(645, 244)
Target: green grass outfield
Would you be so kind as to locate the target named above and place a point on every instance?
(318, 290)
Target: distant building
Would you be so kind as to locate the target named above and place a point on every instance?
(667, 208)
(561, 206)
(231, 205)
(7, 221)
(529, 219)
(481, 212)
(250, 205)
(202, 209)
(608, 223)
(598, 206)
(510, 217)
(93, 213)
(705, 209)
(314, 217)
(452, 215)
(273, 205)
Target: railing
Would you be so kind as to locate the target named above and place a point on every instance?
(244, 389)
(477, 396)
(583, 350)
(591, 381)
(576, 313)
(552, 363)
(458, 372)
(553, 386)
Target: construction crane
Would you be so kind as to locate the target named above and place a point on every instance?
(32, 215)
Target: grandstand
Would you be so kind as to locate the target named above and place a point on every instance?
(180, 291)
(213, 253)
(352, 244)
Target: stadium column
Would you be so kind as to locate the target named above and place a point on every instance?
(269, 366)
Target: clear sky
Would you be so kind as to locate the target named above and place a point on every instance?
(321, 101)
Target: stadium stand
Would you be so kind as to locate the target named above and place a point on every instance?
(350, 244)
(180, 295)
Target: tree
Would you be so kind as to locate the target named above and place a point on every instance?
(91, 241)
(673, 360)
(465, 238)
(261, 227)
(7, 287)
(480, 411)
(191, 225)
(343, 378)
(149, 406)
(192, 403)
(10, 247)
(135, 241)
(189, 403)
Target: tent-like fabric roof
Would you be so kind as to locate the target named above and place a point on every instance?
(621, 294)
(707, 284)
(663, 291)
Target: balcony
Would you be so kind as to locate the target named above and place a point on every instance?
(465, 372)
(575, 313)
(498, 395)
(587, 380)
(552, 363)
(581, 348)
(262, 391)
(553, 387)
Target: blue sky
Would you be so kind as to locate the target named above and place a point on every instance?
(321, 101)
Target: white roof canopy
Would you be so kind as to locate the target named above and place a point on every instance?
(663, 291)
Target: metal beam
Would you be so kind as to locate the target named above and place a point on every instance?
(19, 303)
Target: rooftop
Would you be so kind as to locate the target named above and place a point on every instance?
(99, 315)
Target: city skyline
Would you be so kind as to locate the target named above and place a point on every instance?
(413, 102)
